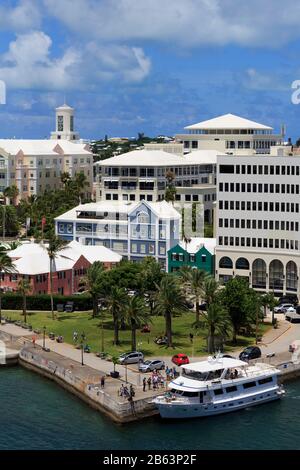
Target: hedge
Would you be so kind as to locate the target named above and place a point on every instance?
(12, 301)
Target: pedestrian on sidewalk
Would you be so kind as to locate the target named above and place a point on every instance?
(144, 384)
(149, 383)
(102, 382)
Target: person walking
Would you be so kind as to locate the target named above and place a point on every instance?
(191, 337)
(149, 383)
(144, 384)
(102, 382)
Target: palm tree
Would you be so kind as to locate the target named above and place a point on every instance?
(217, 322)
(6, 267)
(65, 178)
(194, 278)
(169, 300)
(115, 301)
(92, 283)
(24, 288)
(11, 192)
(210, 289)
(81, 183)
(53, 248)
(136, 313)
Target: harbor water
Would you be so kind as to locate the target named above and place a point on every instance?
(38, 414)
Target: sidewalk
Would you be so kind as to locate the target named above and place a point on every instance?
(274, 333)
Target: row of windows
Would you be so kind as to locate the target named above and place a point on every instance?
(259, 206)
(220, 391)
(80, 272)
(150, 172)
(259, 242)
(191, 257)
(128, 197)
(259, 224)
(259, 188)
(260, 169)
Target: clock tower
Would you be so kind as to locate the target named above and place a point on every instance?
(64, 124)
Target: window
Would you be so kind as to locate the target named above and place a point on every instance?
(134, 248)
(218, 391)
(249, 384)
(231, 389)
(265, 381)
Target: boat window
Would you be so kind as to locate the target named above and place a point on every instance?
(265, 381)
(191, 374)
(249, 384)
(190, 394)
(218, 391)
(231, 389)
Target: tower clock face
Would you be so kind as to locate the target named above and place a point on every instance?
(60, 123)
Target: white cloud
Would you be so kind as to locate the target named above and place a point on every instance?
(185, 23)
(256, 80)
(28, 64)
(25, 15)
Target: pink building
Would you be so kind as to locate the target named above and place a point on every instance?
(70, 265)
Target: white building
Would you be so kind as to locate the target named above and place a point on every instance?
(258, 198)
(141, 175)
(134, 230)
(229, 133)
(36, 165)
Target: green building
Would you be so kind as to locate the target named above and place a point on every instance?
(197, 253)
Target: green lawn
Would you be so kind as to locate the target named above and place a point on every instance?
(67, 323)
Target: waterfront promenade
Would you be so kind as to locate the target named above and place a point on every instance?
(62, 363)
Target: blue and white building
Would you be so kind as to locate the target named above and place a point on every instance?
(134, 230)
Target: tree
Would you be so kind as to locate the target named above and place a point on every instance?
(92, 282)
(54, 246)
(136, 314)
(151, 275)
(11, 225)
(254, 301)
(217, 322)
(269, 300)
(65, 178)
(11, 193)
(210, 289)
(234, 298)
(170, 191)
(24, 288)
(169, 300)
(115, 301)
(6, 267)
(194, 278)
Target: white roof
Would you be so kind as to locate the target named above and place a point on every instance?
(143, 158)
(214, 364)
(196, 243)
(228, 121)
(162, 209)
(43, 147)
(32, 259)
(160, 158)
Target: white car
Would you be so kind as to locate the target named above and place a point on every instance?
(149, 366)
(282, 308)
(133, 357)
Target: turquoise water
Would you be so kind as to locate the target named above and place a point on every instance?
(38, 414)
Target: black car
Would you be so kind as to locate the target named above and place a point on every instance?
(251, 352)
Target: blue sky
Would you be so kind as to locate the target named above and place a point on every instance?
(150, 66)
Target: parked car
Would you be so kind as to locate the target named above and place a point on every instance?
(148, 366)
(180, 359)
(251, 352)
(133, 357)
(282, 308)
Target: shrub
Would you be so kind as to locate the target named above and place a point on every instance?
(12, 301)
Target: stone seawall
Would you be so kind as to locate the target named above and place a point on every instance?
(120, 412)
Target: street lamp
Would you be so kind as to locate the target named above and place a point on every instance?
(44, 338)
(100, 306)
(82, 347)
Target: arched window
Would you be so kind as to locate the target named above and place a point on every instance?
(259, 274)
(291, 276)
(242, 263)
(276, 275)
(143, 218)
(225, 262)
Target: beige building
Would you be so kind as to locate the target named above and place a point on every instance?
(36, 165)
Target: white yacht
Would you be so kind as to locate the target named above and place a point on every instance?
(218, 385)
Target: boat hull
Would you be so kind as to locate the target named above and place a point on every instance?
(193, 410)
